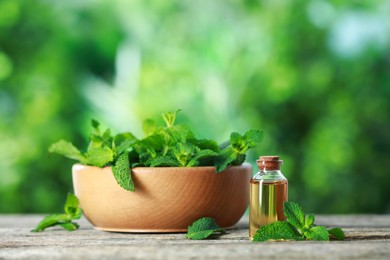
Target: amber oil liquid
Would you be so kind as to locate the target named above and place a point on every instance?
(266, 202)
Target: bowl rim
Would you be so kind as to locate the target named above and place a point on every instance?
(77, 166)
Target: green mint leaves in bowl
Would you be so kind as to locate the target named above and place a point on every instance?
(162, 146)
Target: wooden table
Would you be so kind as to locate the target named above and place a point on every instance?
(368, 237)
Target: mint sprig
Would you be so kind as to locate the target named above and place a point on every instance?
(280, 230)
(298, 226)
(204, 228)
(72, 212)
(235, 149)
(103, 150)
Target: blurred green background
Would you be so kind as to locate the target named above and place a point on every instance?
(314, 75)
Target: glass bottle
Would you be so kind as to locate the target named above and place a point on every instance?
(268, 192)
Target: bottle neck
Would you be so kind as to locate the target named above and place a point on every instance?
(270, 172)
(270, 175)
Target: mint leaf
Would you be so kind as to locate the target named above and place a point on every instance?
(98, 140)
(235, 149)
(95, 141)
(71, 207)
(279, 230)
(70, 226)
(72, 211)
(241, 143)
(226, 157)
(50, 221)
(162, 161)
(337, 233)
(205, 144)
(236, 139)
(318, 233)
(294, 214)
(145, 158)
(309, 220)
(67, 149)
(183, 152)
(99, 156)
(224, 145)
(253, 137)
(123, 142)
(95, 125)
(175, 134)
(203, 228)
(107, 134)
(170, 117)
(202, 154)
(155, 142)
(122, 172)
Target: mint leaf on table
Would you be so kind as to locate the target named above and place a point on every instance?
(70, 226)
(337, 233)
(309, 220)
(122, 172)
(72, 212)
(279, 230)
(49, 221)
(294, 214)
(203, 228)
(71, 206)
(318, 233)
(298, 226)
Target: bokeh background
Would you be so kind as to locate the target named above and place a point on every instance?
(313, 75)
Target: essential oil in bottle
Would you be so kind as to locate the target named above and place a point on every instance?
(268, 192)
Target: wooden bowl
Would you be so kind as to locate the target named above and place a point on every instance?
(166, 199)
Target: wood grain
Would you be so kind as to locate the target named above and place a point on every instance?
(368, 237)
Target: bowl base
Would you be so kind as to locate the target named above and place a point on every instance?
(134, 230)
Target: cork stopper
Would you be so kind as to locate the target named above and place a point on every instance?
(269, 163)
